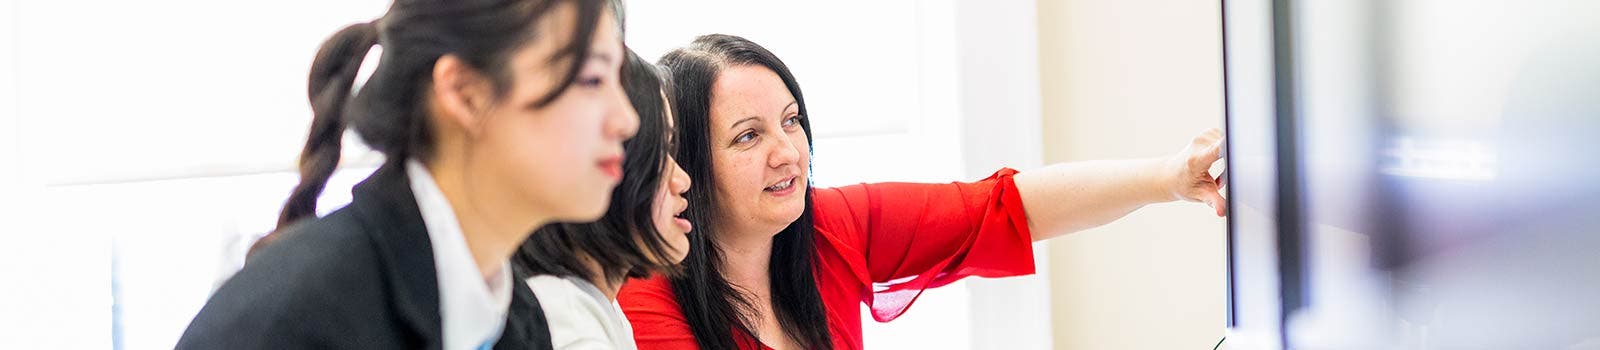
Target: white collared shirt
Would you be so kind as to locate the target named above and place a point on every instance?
(472, 310)
(581, 317)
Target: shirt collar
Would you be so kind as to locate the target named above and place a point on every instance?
(473, 311)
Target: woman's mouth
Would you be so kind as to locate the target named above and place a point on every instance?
(682, 223)
(782, 188)
(612, 167)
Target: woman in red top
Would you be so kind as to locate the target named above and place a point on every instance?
(777, 264)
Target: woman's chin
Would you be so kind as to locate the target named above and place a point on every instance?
(586, 212)
(790, 213)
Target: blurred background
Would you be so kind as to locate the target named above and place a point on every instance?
(144, 145)
(1413, 174)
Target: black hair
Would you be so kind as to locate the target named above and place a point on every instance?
(714, 307)
(387, 112)
(624, 242)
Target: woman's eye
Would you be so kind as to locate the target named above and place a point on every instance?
(791, 121)
(745, 137)
(589, 81)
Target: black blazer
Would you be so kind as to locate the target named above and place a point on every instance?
(360, 278)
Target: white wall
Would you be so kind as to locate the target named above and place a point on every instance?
(1134, 78)
(999, 66)
(150, 90)
(141, 145)
(12, 256)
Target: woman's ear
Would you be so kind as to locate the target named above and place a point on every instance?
(462, 93)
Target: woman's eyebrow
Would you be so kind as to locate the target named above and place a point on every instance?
(742, 121)
(786, 107)
(603, 57)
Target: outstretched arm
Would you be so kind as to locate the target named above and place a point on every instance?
(1070, 197)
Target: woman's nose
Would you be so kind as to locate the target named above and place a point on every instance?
(785, 154)
(680, 181)
(624, 121)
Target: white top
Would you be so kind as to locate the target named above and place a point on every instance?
(472, 310)
(580, 316)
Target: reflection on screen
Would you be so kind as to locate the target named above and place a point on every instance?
(1451, 195)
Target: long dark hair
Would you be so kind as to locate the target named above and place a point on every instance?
(713, 306)
(624, 242)
(386, 111)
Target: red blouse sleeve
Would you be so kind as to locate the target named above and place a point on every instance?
(901, 238)
(658, 322)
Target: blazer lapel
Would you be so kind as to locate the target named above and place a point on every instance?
(526, 327)
(385, 203)
(387, 207)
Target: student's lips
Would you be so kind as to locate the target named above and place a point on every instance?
(611, 167)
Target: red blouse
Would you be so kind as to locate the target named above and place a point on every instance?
(879, 244)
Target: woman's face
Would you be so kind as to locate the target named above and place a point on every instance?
(760, 155)
(670, 204)
(564, 157)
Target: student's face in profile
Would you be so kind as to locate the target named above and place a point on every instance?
(565, 157)
(760, 153)
(670, 203)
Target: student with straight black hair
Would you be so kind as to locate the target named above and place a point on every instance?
(495, 117)
(577, 268)
(775, 263)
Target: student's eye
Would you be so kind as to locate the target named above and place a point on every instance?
(589, 81)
